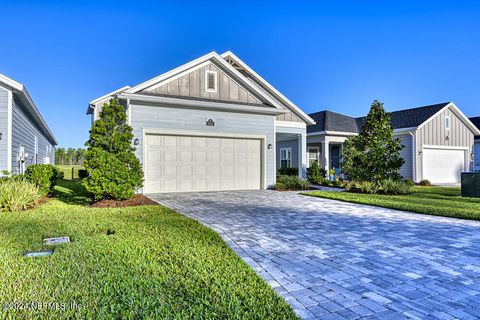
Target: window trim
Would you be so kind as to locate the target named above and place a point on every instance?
(215, 81)
(447, 123)
(288, 157)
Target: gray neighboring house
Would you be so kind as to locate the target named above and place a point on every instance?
(476, 164)
(210, 124)
(24, 135)
(438, 139)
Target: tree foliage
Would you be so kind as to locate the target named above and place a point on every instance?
(114, 170)
(69, 156)
(373, 155)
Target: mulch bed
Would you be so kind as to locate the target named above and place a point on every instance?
(137, 200)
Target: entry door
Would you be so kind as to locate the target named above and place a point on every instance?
(191, 163)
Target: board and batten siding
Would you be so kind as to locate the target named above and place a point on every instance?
(406, 171)
(434, 133)
(192, 84)
(290, 116)
(24, 131)
(194, 120)
(4, 129)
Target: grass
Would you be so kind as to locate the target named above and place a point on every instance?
(439, 201)
(67, 170)
(157, 264)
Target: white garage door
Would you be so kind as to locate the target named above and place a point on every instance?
(191, 163)
(443, 165)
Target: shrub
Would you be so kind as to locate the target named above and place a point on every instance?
(351, 186)
(392, 187)
(288, 171)
(425, 183)
(367, 187)
(44, 176)
(316, 174)
(60, 175)
(409, 183)
(293, 182)
(114, 172)
(279, 186)
(18, 194)
(82, 173)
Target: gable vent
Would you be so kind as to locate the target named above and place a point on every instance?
(211, 81)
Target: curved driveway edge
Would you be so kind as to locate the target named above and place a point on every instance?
(338, 260)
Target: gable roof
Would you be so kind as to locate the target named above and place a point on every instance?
(402, 119)
(268, 95)
(24, 97)
(92, 103)
(476, 122)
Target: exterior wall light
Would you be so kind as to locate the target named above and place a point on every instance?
(136, 142)
(0, 136)
(270, 146)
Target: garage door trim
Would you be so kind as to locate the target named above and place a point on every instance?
(459, 148)
(170, 132)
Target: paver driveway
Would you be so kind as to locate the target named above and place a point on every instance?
(338, 260)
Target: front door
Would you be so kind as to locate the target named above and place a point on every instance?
(335, 157)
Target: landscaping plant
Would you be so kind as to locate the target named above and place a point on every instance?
(373, 155)
(316, 174)
(425, 183)
(17, 194)
(44, 176)
(288, 172)
(114, 172)
(291, 183)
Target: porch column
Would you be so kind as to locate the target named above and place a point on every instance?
(326, 155)
(302, 155)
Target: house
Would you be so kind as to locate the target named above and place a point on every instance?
(476, 157)
(438, 141)
(210, 124)
(24, 135)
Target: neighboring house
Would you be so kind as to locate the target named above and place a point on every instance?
(438, 141)
(24, 136)
(211, 124)
(476, 157)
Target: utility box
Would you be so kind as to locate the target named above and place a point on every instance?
(471, 184)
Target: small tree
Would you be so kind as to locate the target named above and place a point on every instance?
(114, 170)
(373, 155)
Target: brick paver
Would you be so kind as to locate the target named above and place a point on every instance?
(337, 260)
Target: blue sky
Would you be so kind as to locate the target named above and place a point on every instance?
(322, 55)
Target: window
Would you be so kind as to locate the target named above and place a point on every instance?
(313, 153)
(211, 81)
(285, 157)
(447, 122)
(335, 157)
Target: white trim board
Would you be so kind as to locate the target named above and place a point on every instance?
(199, 104)
(9, 130)
(290, 124)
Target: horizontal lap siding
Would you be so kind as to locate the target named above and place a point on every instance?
(407, 169)
(24, 130)
(175, 118)
(3, 129)
(434, 133)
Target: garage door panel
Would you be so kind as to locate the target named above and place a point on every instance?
(189, 163)
(443, 165)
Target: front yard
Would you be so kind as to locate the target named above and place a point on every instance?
(439, 201)
(156, 264)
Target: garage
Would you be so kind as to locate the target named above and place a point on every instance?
(183, 163)
(443, 165)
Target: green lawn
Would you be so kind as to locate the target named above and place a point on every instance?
(439, 201)
(67, 171)
(157, 264)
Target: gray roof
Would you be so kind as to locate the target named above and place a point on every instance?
(476, 122)
(408, 118)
